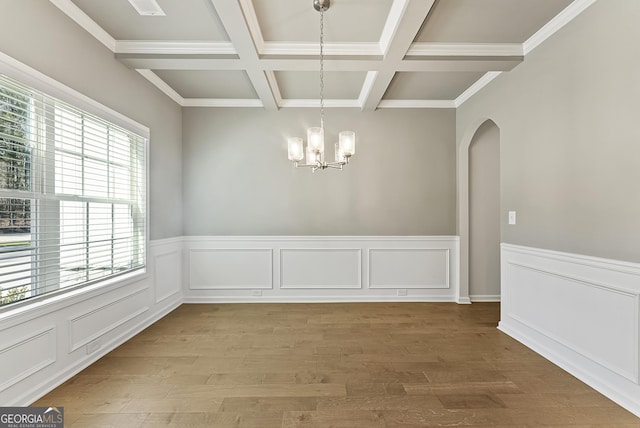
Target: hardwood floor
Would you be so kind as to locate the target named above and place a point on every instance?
(330, 365)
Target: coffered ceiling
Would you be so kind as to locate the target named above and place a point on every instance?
(379, 53)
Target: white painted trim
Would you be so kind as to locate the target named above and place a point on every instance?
(590, 279)
(162, 85)
(55, 316)
(73, 345)
(252, 23)
(484, 298)
(174, 47)
(315, 103)
(341, 286)
(559, 21)
(273, 84)
(475, 88)
(83, 20)
(466, 49)
(201, 238)
(307, 49)
(417, 104)
(7, 383)
(447, 279)
(310, 298)
(35, 393)
(282, 286)
(398, 9)
(228, 286)
(221, 102)
(367, 87)
(599, 262)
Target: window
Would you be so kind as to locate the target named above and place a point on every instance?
(72, 196)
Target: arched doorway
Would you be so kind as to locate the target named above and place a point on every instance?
(484, 214)
(486, 134)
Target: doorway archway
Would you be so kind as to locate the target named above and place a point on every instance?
(486, 134)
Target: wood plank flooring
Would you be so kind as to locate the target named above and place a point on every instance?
(330, 365)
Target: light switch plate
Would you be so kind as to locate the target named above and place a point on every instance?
(512, 217)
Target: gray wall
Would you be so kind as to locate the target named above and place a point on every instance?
(484, 211)
(569, 136)
(238, 180)
(37, 34)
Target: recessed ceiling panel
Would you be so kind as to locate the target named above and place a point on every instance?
(345, 21)
(184, 20)
(209, 83)
(344, 85)
(430, 85)
(488, 21)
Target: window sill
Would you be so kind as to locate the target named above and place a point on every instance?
(38, 306)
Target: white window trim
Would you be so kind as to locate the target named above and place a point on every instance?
(27, 75)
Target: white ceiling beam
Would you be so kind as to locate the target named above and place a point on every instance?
(408, 17)
(221, 102)
(179, 63)
(162, 85)
(465, 49)
(232, 17)
(83, 20)
(161, 47)
(313, 49)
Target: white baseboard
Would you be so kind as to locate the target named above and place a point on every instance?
(580, 312)
(484, 298)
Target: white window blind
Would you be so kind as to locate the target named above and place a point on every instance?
(72, 196)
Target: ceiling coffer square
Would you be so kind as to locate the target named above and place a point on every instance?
(147, 7)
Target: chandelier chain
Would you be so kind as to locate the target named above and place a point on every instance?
(322, 68)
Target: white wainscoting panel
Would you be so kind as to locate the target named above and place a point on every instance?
(583, 313)
(230, 268)
(45, 343)
(167, 274)
(25, 356)
(321, 268)
(98, 320)
(409, 268)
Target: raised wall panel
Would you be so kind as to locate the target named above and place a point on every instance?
(167, 274)
(320, 268)
(26, 356)
(594, 320)
(230, 268)
(580, 312)
(409, 268)
(105, 317)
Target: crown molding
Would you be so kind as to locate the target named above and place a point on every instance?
(417, 104)
(162, 85)
(83, 20)
(221, 102)
(174, 47)
(559, 21)
(465, 49)
(315, 103)
(473, 89)
(305, 48)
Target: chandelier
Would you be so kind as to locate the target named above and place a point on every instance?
(346, 145)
